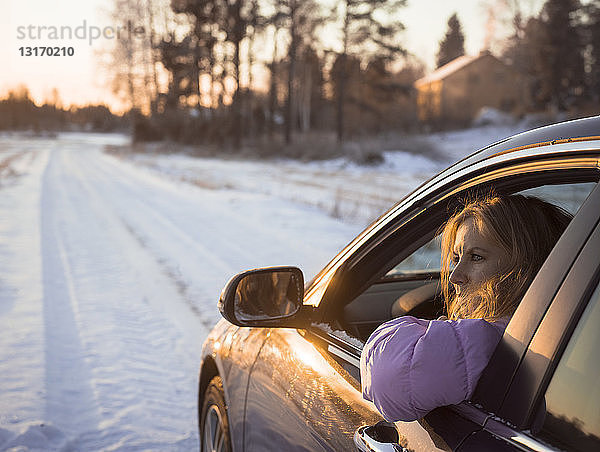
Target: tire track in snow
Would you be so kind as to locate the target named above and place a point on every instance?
(142, 372)
(70, 401)
(195, 272)
(225, 247)
(102, 205)
(254, 233)
(140, 198)
(22, 377)
(163, 230)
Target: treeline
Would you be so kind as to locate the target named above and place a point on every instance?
(559, 51)
(261, 72)
(243, 69)
(19, 112)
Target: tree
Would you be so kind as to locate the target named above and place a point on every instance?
(366, 31)
(274, 74)
(595, 53)
(202, 41)
(220, 28)
(346, 86)
(524, 53)
(562, 70)
(453, 44)
(235, 24)
(179, 58)
(553, 51)
(591, 30)
(310, 95)
(301, 19)
(132, 60)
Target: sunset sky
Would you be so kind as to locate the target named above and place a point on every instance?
(79, 79)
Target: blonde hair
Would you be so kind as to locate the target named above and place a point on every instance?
(526, 228)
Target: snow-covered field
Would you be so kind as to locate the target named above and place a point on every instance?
(111, 265)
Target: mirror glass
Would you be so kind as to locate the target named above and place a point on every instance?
(268, 295)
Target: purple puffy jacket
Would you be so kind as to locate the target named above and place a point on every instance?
(410, 366)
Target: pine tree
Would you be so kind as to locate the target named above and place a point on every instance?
(562, 63)
(366, 31)
(453, 44)
(592, 41)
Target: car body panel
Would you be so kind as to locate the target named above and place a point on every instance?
(234, 350)
(301, 398)
(295, 391)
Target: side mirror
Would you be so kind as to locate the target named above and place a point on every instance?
(268, 297)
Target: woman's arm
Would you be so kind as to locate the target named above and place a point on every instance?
(410, 366)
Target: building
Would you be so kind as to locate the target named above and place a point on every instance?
(455, 92)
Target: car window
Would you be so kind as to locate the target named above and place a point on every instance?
(572, 400)
(412, 286)
(569, 197)
(427, 258)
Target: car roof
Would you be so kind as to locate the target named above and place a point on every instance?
(562, 132)
(527, 144)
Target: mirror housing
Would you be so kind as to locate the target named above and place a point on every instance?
(265, 297)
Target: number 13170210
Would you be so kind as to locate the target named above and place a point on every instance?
(46, 51)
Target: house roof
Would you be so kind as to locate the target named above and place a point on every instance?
(447, 69)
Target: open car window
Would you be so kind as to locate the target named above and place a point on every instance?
(411, 286)
(428, 257)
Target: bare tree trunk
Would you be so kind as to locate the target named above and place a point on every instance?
(212, 66)
(304, 97)
(249, 93)
(291, 73)
(273, 87)
(153, 57)
(236, 105)
(342, 81)
(130, 74)
(146, 54)
(237, 100)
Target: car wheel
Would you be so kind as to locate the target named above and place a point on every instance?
(214, 425)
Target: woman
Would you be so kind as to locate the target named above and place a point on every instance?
(491, 251)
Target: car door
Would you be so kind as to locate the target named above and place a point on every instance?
(304, 395)
(239, 350)
(554, 397)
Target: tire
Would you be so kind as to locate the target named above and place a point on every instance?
(214, 425)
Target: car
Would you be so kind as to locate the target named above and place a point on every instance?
(281, 370)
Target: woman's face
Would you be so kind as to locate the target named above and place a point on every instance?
(476, 259)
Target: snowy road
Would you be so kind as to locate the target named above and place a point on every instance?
(109, 276)
(110, 268)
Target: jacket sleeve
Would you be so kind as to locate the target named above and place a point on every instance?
(410, 366)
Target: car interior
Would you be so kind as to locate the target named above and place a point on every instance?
(410, 285)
